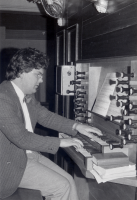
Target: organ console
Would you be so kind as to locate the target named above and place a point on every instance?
(108, 102)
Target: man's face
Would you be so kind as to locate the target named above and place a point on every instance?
(31, 80)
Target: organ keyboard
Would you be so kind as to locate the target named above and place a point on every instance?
(98, 144)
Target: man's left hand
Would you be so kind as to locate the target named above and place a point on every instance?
(87, 130)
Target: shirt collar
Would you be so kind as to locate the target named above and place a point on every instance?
(19, 92)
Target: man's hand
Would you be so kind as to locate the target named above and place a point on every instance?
(87, 130)
(71, 142)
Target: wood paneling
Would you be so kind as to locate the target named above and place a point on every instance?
(60, 48)
(110, 35)
(16, 5)
(110, 23)
(115, 5)
(106, 35)
(85, 3)
(72, 43)
(72, 7)
(26, 34)
(90, 12)
(118, 43)
(23, 21)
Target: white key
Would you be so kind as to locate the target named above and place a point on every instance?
(84, 152)
(98, 140)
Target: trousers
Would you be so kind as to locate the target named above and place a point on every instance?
(44, 175)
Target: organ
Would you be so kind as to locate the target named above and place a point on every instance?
(96, 86)
(100, 45)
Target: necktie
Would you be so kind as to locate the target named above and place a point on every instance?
(27, 99)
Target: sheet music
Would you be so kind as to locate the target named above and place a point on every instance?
(103, 101)
(104, 106)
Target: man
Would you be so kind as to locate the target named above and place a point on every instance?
(20, 163)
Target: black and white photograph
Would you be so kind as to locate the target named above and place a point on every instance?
(68, 99)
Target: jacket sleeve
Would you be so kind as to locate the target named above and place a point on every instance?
(54, 121)
(12, 127)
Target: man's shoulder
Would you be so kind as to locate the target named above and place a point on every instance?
(5, 85)
(7, 90)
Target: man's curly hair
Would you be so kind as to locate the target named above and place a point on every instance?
(25, 60)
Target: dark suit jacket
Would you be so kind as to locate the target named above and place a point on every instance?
(15, 139)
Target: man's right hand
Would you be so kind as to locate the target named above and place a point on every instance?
(71, 142)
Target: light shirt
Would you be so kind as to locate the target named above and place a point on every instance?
(21, 96)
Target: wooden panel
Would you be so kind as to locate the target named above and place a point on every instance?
(21, 21)
(74, 19)
(60, 48)
(118, 43)
(90, 12)
(124, 18)
(72, 7)
(69, 106)
(85, 3)
(59, 105)
(113, 6)
(15, 5)
(73, 43)
(68, 164)
(26, 34)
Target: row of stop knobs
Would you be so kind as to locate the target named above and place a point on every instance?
(128, 108)
(80, 96)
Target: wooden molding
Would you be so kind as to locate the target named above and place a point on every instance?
(26, 34)
(18, 5)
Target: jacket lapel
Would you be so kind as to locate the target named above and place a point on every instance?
(12, 93)
(9, 89)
